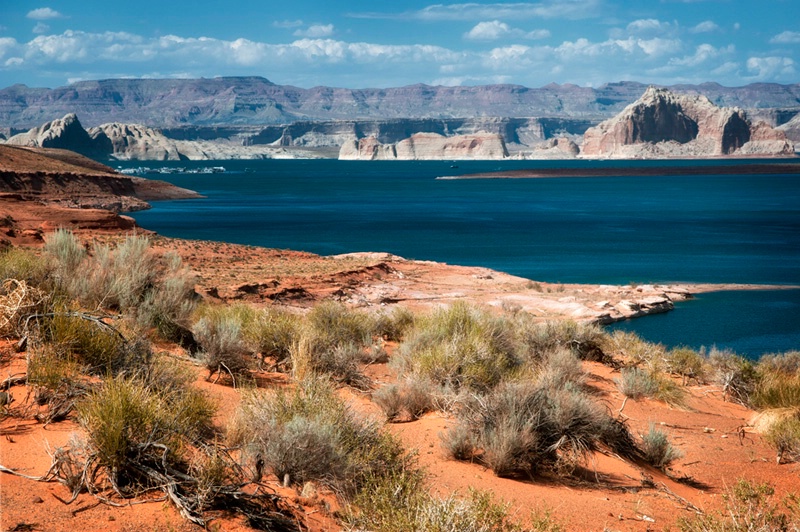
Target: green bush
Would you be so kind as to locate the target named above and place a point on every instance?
(657, 448)
(24, 265)
(394, 326)
(460, 347)
(776, 390)
(638, 383)
(333, 324)
(687, 363)
(272, 333)
(585, 340)
(168, 304)
(219, 333)
(632, 349)
(400, 503)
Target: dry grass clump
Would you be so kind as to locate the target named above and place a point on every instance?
(309, 434)
(220, 336)
(657, 448)
(460, 347)
(401, 503)
(632, 349)
(524, 428)
(687, 363)
(24, 265)
(585, 340)
(735, 374)
(638, 383)
(406, 400)
(272, 333)
(748, 507)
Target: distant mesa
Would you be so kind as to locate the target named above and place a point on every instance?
(427, 146)
(661, 124)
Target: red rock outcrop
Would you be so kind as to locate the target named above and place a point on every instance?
(428, 146)
(661, 125)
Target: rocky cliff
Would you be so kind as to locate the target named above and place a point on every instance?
(664, 124)
(135, 142)
(65, 133)
(253, 100)
(428, 146)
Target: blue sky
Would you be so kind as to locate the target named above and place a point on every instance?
(359, 44)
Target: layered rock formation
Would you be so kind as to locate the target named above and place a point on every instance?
(257, 101)
(135, 142)
(662, 124)
(65, 133)
(428, 146)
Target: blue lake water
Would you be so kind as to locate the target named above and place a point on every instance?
(719, 229)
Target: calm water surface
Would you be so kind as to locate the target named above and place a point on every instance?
(726, 228)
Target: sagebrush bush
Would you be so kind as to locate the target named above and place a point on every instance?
(394, 326)
(333, 324)
(657, 448)
(406, 400)
(736, 375)
(310, 434)
(787, 363)
(776, 390)
(272, 333)
(68, 254)
(521, 427)
(400, 503)
(687, 363)
(585, 340)
(24, 265)
(460, 347)
(632, 349)
(638, 383)
(221, 339)
(169, 303)
(784, 435)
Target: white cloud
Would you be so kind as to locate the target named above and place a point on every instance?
(569, 9)
(44, 13)
(786, 37)
(707, 26)
(702, 54)
(316, 31)
(494, 30)
(648, 26)
(773, 68)
(41, 27)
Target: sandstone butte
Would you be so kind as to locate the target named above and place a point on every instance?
(659, 125)
(718, 438)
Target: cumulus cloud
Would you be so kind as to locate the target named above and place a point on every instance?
(44, 13)
(702, 54)
(706, 26)
(41, 27)
(773, 67)
(786, 37)
(315, 31)
(494, 30)
(649, 26)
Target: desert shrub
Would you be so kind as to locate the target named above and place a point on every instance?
(657, 448)
(393, 326)
(736, 375)
(24, 265)
(784, 435)
(748, 507)
(120, 277)
(687, 363)
(784, 363)
(342, 364)
(334, 324)
(221, 340)
(310, 434)
(631, 348)
(560, 368)
(459, 347)
(96, 346)
(521, 427)
(169, 303)
(400, 503)
(583, 339)
(638, 383)
(272, 333)
(408, 399)
(67, 252)
(776, 390)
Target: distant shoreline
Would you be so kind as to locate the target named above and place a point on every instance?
(646, 171)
